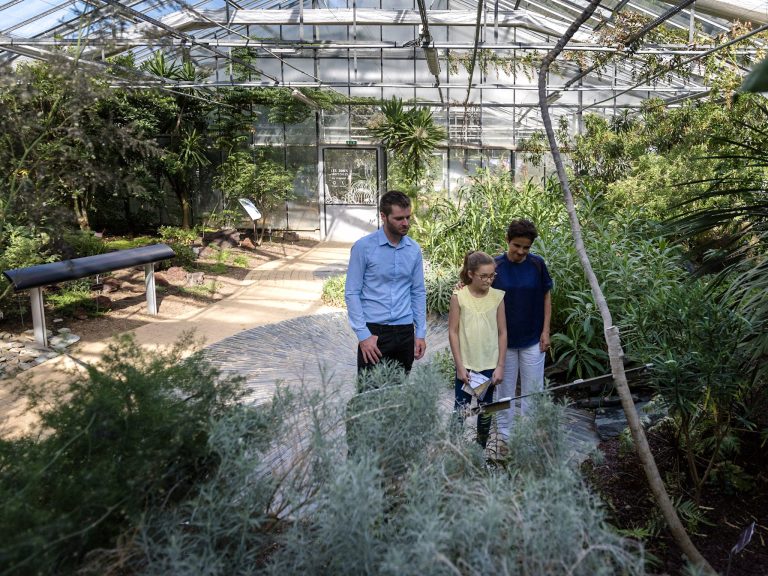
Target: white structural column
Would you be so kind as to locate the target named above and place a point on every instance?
(149, 285)
(38, 317)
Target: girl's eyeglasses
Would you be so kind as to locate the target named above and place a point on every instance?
(485, 277)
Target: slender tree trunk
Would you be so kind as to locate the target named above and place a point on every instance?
(81, 214)
(615, 351)
(182, 195)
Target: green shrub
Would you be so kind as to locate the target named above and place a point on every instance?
(19, 248)
(175, 235)
(429, 504)
(126, 243)
(84, 243)
(72, 296)
(241, 261)
(185, 257)
(333, 291)
(443, 361)
(132, 436)
(410, 498)
(695, 345)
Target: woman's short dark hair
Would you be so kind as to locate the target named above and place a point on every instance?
(522, 228)
(393, 198)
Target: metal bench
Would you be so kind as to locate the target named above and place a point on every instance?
(33, 278)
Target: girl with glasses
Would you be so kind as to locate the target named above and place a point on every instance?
(477, 333)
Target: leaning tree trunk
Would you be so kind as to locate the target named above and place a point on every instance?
(615, 352)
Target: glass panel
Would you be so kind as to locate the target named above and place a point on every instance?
(351, 176)
(335, 125)
(303, 208)
(265, 131)
(302, 133)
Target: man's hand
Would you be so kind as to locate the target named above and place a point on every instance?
(370, 349)
(419, 348)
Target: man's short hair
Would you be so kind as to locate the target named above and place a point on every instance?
(393, 198)
(522, 228)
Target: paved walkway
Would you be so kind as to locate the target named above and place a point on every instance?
(274, 328)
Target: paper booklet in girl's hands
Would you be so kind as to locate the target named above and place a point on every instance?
(478, 384)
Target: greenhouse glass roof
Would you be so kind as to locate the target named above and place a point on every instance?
(475, 61)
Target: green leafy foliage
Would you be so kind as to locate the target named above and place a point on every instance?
(695, 345)
(440, 282)
(61, 154)
(264, 181)
(176, 235)
(84, 243)
(757, 79)
(333, 291)
(72, 297)
(133, 435)
(20, 247)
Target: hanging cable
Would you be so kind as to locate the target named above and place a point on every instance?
(430, 52)
(474, 52)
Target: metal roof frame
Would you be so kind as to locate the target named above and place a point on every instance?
(104, 27)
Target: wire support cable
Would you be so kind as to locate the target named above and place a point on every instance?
(474, 51)
(430, 52)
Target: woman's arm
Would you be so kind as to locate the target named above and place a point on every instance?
(501, 322)
(453, 338)
(544, 340)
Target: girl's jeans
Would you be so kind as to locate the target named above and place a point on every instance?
(462, 401)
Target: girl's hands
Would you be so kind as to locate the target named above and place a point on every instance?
(497, 376)
(462, 374)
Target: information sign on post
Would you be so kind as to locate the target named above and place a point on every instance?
(253, 213)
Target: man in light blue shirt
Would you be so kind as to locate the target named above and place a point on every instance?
(385, 292)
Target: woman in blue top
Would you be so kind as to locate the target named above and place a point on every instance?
(526, 283)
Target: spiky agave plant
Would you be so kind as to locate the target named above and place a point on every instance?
(411, 135)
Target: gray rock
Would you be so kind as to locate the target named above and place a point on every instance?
(195, 279)
(611, 421)
(63, 340)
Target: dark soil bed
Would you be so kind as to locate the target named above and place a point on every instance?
(620, 481)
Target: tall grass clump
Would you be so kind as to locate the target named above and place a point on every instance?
(132, 436)
(478, 218)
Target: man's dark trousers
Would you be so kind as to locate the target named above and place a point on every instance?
(396, 342)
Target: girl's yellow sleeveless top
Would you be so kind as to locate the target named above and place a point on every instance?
(478, 329)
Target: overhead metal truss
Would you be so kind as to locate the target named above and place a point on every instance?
(381, 48)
